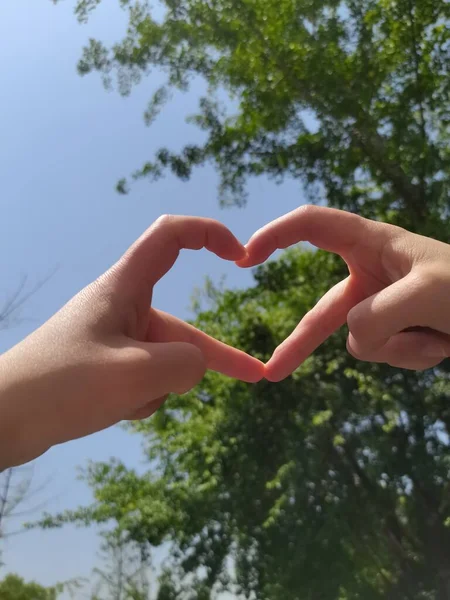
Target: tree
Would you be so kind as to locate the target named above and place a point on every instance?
(351, 97)
(125, 574)
(332, 484)
(13, 587)
(14, 488)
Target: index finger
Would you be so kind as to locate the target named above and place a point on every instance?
(219, 356)
(155, 252)
(330, 229)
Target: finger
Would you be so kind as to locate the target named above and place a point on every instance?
(407, 350)
(399, 306)
(157, 249)
(148, 410)
(174, 367)
(327, 228)
(218, 356)
(325, 318)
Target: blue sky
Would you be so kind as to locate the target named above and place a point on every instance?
(64, 143)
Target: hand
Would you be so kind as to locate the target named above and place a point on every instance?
(398, 281)
(108, 356)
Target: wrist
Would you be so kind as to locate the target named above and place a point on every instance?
(21, 437)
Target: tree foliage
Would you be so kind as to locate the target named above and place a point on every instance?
(13, 587)
(124, 575)
(351, 96)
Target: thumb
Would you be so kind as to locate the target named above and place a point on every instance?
(417, 350)
(173, 367)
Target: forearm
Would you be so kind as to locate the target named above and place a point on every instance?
(22, 390)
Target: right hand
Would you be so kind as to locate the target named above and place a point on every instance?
(396, 300)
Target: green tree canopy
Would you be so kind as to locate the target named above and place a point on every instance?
(13, 587)
(350, 96)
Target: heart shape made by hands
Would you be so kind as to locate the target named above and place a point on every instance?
(368, 248)
(154, 254)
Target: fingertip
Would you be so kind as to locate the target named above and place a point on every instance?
(244, 367)
(233, 251)
(241, 253)
(251, 259)
(244, 263)
(231, 248)
(255, 373)
(217, 238)
(253, 379)
(276, 377)
(274, 374)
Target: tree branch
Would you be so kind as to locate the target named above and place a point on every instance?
(420, 98)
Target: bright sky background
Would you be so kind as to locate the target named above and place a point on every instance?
(64, 143)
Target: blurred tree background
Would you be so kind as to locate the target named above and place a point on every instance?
(333, 484)
(13, 587)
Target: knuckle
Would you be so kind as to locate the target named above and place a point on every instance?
(198, 360)
(423, 286)
(195, 369)
(165, 220)
(429, 280)
(420, 280)
(358, 324)
(354, 351)
(307, 210)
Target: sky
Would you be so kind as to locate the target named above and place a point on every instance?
(64, 142)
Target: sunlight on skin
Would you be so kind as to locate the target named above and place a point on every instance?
(386, 293)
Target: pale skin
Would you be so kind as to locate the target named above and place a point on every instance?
(108, 355)
(397, 281)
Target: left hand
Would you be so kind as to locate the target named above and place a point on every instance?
(107, 355)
